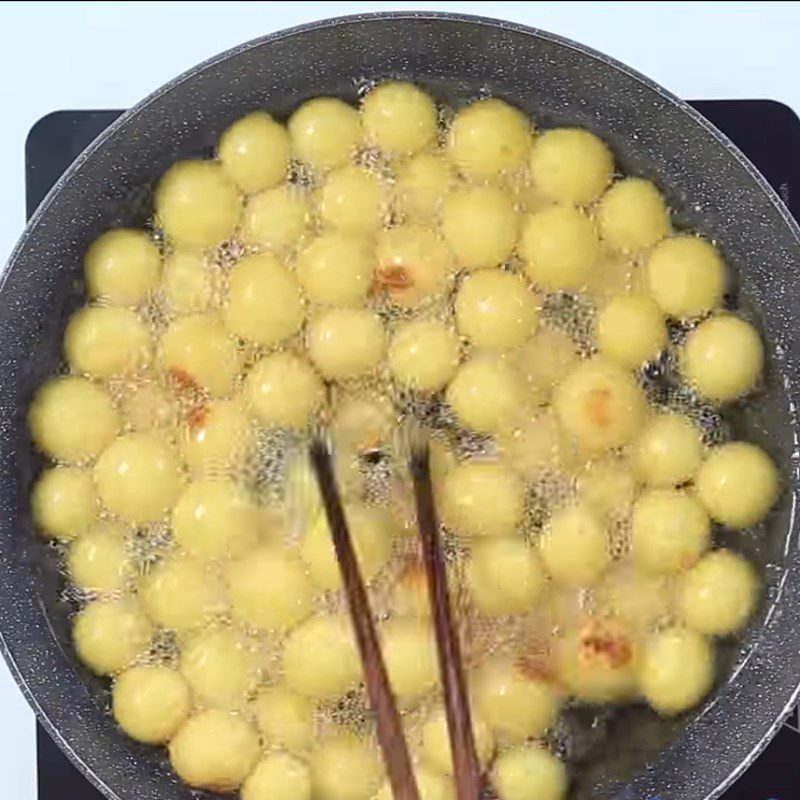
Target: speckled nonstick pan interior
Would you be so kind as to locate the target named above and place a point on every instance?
(710, 184)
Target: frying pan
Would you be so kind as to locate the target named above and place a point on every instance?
(708, 182)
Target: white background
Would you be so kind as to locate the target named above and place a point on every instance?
(109, 55)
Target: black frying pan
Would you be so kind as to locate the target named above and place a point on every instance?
(708, 181)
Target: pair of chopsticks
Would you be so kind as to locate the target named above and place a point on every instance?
(466, 769)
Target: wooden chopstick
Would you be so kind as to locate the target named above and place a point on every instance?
(466, 768)
(381, 697)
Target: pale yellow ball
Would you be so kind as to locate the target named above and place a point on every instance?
(148, 406)
(64, 502)
(431, 786)
(545, 360)
(97, 561)
(399, 118)
(423, 355)
(282, 389)
(631, 330)
(187, 282)
(363, 422)
(608, 486)
(488, 138)
(150, 703)
(670, 530)
(529, 772)
(121, 267)
(138, 477)
(214, 750)
(409, 653)
(197, 204)
(738, 483)
(480, 225)
(420, 186)
(336, 269)
(686, 276)
(254, 151)
(677, 670)
(278, 776)
(276, 219)
(482, 499)
(495, 309)
(639, 601)
(570, 165)
(346, 342)
(535, 445)
(575, 547)
(72, 419)
(344, 767)
(632, 215)
(285, 718)
(436, 751)
(723, 358)
(324, 132)
(353, 200)
(668, 451)
(559, 246)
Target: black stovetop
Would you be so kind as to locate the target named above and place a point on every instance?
(767, 132)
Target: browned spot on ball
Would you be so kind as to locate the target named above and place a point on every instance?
(391, 279)
(196, 416)
(182, 381)
(599, 642)
(598, 407)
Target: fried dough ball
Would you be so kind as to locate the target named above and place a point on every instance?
(72, 419)
(575, 547)
(431, 786)
(738, 484)
(421, 185)
(363, 423)
(607, 486)
(346, 342)
(278, 776)
(353, 200)
(121, 267)
(214, 750)
(534, 446)
(637, 600)
(197, 204)
(324, 132)
(436, 751)
(409, 652)
(423, 355)
(109, 634)
(97, 560)
(723, 358)
(336, 269)
(254, 151)
(150, 703)
(285, 718)
(148, 406)
(186, 282)
(488, 138)
(668, 452)
(399, 118)
(276, 219)
(632, 215)
(64, 502)
(529, 772)
(570, 165)
(545, 359)
(630, 330)
(344, 767)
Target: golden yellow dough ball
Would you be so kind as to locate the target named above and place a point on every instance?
(529, 772)
(600, 405)
(97, 560)
(282, 389)
(197, 350)
(197, 204)
(180, 593)
(264, 301)
(217, 439)
(363, 423)
(353, 200)
(109, 634)
(514, 704)
(482, 499)
(738, 483)
(570, 165)
(138, 477)
(575, 546)
(409, 652)
(544, 361)
(72, 419)
(717, 595)
(276, 219)
(723, 358)
(423, 355)
(480, 225)
(420, 186)
(668, 451)
(371, 531)
(631, 330)
(324, 132)
(614, 274)
(686, 276)
(487, 138)
(637, 600)
(150, 703)
(414, 263)
(278, 776)
(559, 246)
(336, 269)
(495, 309)
(103, 341)
(64, 502)
(436, 751)
(285, 718)
(670, 530)
(486, 393)
(214, 750)
(505, 576)
(214, 519)
(677, 670)
(186, 282)
(535, 445)
(431, 786)
(399, 118)
(632, 215)
(320, 659)
(121, 267)
(607, 485)
(254, 151)
(148, 406)
(344, 767)
(346, 342)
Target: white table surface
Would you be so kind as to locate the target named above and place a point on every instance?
(109, 55)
